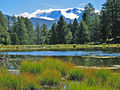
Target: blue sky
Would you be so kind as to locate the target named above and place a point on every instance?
(11, 7)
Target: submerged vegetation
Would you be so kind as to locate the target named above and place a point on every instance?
(50, 72)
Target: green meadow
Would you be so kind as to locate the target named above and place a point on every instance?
(54, 74)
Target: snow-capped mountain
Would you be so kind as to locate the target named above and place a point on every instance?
(50, 16)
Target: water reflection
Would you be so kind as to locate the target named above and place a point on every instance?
(77, 60)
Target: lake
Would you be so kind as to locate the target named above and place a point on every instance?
(63, 53)
(79, 58)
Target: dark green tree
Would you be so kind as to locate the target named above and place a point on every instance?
(53, 38)
(82, 33)
(40, 38)
(95, 31)
(75, 28)
(4, 35)
(61, 28)
(30, 31)
(22, 32)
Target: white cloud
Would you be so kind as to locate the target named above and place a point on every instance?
(82, 4)
(97, 11)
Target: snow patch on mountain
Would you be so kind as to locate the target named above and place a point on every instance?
(47, 18)
(44, 14)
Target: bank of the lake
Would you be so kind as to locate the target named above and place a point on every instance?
(58, 47)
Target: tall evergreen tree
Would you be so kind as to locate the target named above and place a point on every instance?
(45, 33)
(40, 38)
(4, 35)
(82, 33)
(95, 31)
(30, 31)
(110, 19)
(21, 31)
(61, 26)
(75, 28)
(53, 38)
(68, 36)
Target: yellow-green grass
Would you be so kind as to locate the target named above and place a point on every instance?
(84, 86)
(37, 67)
(49, 77)
(52, 71)
(20, 82)
(94, 78)
(76, 74)
(56, 47)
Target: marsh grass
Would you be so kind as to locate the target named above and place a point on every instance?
(49, 77)
(76, 74)
(55, 72)
(84, 86)
(14, 81)
(56, 64)
(47, 63)
(31, 67)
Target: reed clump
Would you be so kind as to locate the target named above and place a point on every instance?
(14, 81)
(49, 77)
(37, 67)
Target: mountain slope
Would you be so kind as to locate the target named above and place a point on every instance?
(51, 16)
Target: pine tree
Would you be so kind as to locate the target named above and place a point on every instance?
(68, 36)
(110, 19)
(53, 38)
(21, 32)
(83, 33)
(40, 38)
(87, 19)
(30, 31)
(4, 35)
(45, 33)
(75, 28)
(13, 32)
(61, 27)
(95, 32)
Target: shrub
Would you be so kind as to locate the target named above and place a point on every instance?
(76, 74)
(49, 77)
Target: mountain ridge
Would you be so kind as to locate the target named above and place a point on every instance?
(50, 16)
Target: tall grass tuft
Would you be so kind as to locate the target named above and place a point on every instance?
(49, 77)
(14, 81)
(56, 64)
(102, 76)
(84, 86)
(46, 63)
(76, 74)
(31, 67)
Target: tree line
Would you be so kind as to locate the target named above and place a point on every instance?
(102, 27)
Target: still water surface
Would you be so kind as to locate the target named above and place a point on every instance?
(79, 58)
(63, 53)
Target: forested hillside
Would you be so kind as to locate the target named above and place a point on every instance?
(94, 28)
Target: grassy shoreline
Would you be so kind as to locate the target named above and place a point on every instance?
(57, 47)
